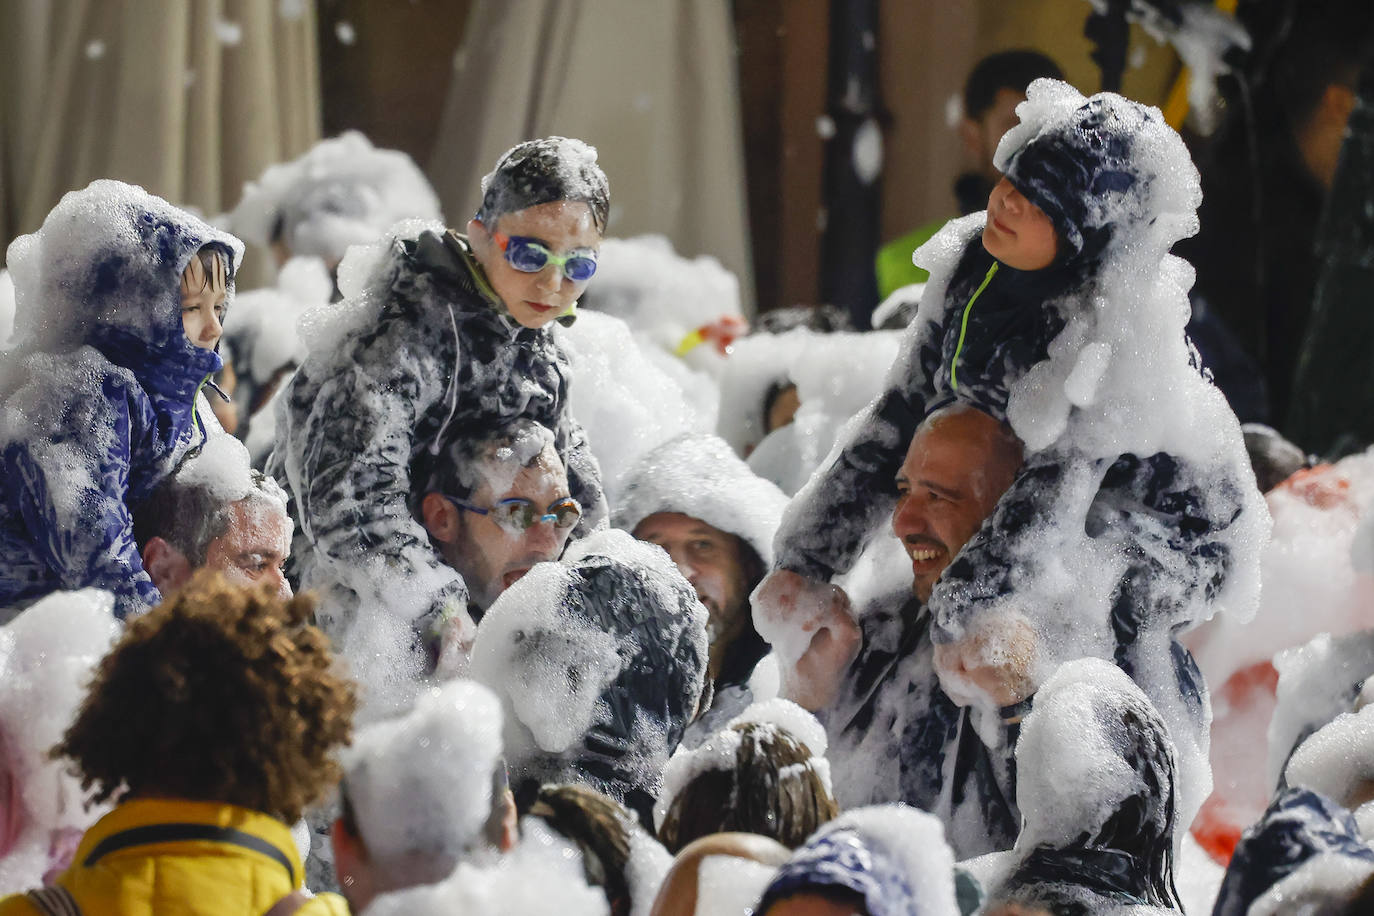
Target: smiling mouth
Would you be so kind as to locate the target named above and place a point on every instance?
(924, 555)
(1001, 226)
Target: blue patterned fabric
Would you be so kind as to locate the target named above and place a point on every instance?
(845, 859)
(90, 430)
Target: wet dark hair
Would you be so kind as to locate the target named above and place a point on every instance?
(213, 255)
(829, 892)
(770, 791)
(237, 698)
(190, 517)
(1014, 69)
(545, 171)
(599, 827)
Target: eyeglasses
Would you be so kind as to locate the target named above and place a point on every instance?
(518, 515)
(531, 256)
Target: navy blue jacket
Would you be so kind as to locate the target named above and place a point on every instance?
(89, 431)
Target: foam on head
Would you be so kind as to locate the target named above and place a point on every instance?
(421, 784)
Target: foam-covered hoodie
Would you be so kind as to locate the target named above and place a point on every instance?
(99, 389)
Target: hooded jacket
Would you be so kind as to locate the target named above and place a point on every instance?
(104, 407)
(172, 856)
(1300, 828)
(699, 475)
(442, 360)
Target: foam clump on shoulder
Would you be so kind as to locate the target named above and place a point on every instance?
(542, 876)
(343, 192)
(98, 260)
(423, 782)
(627, 402)
(1064, 796)
(1317, 683)
(47, 657)
(1338, 759)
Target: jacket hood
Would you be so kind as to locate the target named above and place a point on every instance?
(1105, 821)
(1098, 167)
(105, 270)
(699, 475)
(892, 856)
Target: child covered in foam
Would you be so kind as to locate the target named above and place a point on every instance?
(120, 299)
(1061, 312)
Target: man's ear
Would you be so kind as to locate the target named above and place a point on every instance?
(165, 565)
(440, 518)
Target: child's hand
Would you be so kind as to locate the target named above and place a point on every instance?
(994, 664)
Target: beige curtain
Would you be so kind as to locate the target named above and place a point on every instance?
(652, 84)
(188, 99)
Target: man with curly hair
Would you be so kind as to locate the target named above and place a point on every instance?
(239, 710)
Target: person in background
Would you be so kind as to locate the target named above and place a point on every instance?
(995, 86)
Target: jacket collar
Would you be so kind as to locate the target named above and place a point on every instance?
(262, 834)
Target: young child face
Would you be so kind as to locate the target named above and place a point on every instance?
(562, 227)
(1018, 233)
(204, 291)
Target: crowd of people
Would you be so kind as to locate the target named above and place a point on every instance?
(523, 576)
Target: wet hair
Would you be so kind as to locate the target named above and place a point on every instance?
(599, 826)
(458, 470)
(217, 267)
(542, 172)
(772, 790)
(190, 517)
(1014, 69)
(237, 701)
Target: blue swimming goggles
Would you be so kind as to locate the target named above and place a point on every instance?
(531, 256)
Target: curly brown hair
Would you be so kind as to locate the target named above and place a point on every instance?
(222, 694)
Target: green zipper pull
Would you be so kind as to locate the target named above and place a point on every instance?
(963, 326)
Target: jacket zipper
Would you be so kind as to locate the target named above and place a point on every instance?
(963, 325)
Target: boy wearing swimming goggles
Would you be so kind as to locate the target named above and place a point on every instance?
(457, 344)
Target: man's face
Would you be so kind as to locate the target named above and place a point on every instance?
(951, 480)
(713, 562)
(535, 299)
(255, 548)
(491, 558)
(1017, 232)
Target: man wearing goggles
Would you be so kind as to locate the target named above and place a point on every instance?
(497, 507)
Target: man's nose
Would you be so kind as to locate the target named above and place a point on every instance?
(683, 564)
(907, 518)
(542, 536)
(283, 586)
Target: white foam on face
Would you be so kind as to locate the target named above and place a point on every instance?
(1063, 795)
(553, 693)
(627, 404)
(530, 444)
(836, 375)
(421, 784)
(47, 657)
(342, 192)
(731, 885)
(542, 876)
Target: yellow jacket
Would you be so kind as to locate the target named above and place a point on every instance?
(172, 857)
